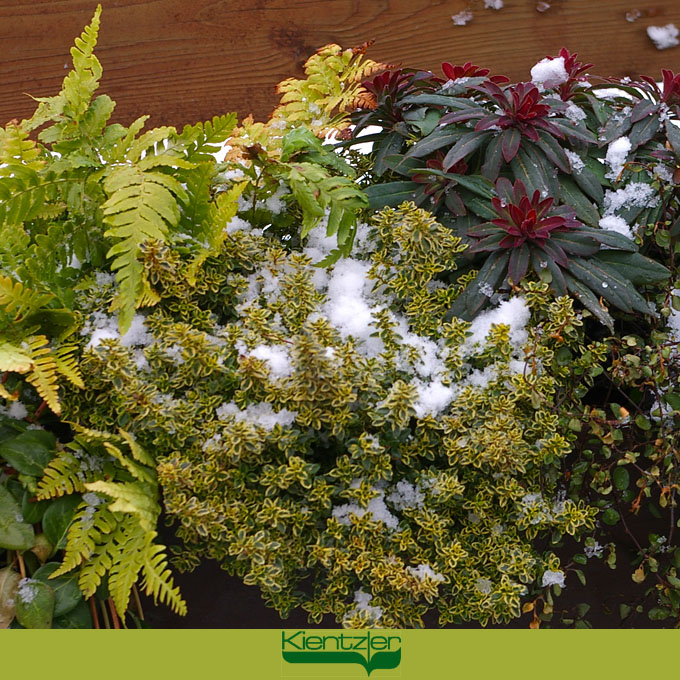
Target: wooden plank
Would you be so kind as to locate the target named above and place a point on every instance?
(186, 61)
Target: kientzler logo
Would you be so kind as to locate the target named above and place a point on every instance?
(369, 649)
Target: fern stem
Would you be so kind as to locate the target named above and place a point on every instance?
(114, 614)
(138, 602)
(39, 410)
(93, 611)
(22, 566)
(105, 615)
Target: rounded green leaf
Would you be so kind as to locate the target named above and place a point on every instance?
(57, 518)
(67, 595)
(15, 534)
(642, 422)
(621, 478)
(29, 452)
(34, 603)
(9, 581)
(78, 617)
(33, 510)
(610, 516)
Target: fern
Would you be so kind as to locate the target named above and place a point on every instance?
(44, 371)
(158, 580)
(202, 140)
(129, 539)
(67, 364)
(16, 148)
(214, 227)
(62, 476)
(142, 206)
(25, 195)
(19, 300)
(332, 85)
(76, 90)
(13, 358)
(115, 538)
(133, 498)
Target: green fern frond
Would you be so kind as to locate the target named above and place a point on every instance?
(141, 146)
(17, 149)
(77, 87)
(141, 207)
(94, 566)
(26, 195)
(158, 581)
(19, 300)
(214, 227)
(204, 139)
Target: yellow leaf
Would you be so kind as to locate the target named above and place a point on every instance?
(639, 574)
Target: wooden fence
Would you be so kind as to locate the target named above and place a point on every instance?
(183, 61)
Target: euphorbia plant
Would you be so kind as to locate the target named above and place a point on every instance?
(531, 230)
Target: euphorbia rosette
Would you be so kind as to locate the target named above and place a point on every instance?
(525, 224)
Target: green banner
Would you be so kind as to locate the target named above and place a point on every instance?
(292, 653)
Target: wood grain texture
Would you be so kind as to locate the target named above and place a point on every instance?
(184, 61)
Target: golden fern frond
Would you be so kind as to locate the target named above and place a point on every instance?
(67, 364)
(43, 372)
(141, 206)
(135, 498)
(96, 565)
(158, 580)
(63, 475)
(321, 101)
(138, 453)
(13, 358)
(88, 536)
(19, 300)
(140, 472)
(17, 148)
(126, 562)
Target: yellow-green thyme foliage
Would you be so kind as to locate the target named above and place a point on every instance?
(329, 428)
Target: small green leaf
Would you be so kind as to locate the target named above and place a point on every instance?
(642, 422)
(621, 478)
(610, 516)
(34, 604)
(580, 558)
